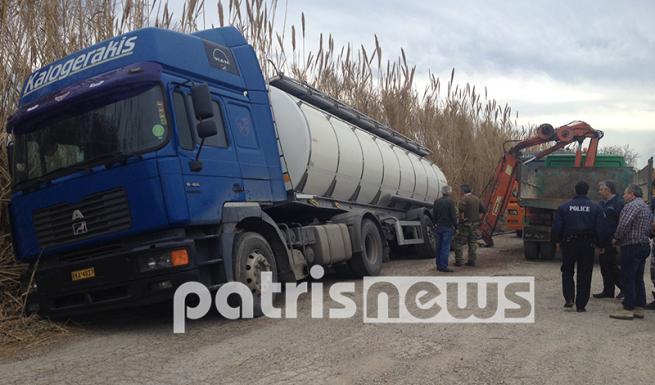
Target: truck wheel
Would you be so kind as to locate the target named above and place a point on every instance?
(252, 256)
(531, 250)
(427, 249)
(519, 233)
(547, 250)
(369, 260)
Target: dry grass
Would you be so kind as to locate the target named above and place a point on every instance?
(464, 128)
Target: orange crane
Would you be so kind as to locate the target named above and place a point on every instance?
(497, 194)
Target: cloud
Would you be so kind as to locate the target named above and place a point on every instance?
(551, 60)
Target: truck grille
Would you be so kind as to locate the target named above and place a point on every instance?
(96, 214)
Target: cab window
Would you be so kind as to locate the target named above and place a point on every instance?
(184, 131)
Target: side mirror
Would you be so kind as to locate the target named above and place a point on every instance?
(206, 128)
(202, 102)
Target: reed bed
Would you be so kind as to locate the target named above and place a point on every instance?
(462, 125)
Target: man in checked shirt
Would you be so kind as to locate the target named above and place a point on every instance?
(632, 235)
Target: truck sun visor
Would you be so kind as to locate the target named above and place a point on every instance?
(118, 83)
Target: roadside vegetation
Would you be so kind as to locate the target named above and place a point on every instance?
(462, 125)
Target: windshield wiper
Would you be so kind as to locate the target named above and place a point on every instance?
(46, 178)
(107, 159)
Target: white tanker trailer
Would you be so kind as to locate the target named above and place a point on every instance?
(342, 167)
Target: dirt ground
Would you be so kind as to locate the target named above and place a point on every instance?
(561, 347)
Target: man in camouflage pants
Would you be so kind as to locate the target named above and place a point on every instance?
(470, 211)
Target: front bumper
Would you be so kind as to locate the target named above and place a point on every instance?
(117, 282)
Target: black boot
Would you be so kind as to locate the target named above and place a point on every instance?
(604, 294)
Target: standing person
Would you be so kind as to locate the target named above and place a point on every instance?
(651, 306)
(577, 226)
(445, 217)
(632, 235)
(611, 205)
(470, 213)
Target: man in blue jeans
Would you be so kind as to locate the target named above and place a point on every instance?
(632, 235)
(445, 219)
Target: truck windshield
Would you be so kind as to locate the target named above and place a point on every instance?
(90, 132)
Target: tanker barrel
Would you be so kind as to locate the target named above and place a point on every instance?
(360, 160)
(330, 105)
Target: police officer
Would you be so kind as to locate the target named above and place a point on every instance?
(612, 204)
(577, 226)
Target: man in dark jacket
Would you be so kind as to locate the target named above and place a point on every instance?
(577, 226)
(611, 205)
(445, 217)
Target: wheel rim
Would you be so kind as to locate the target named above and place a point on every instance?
(256, 263)
(432, 240)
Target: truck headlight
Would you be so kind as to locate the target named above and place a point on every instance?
(154, 262)
(171, 258)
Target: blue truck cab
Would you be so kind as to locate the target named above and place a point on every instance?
(106, 201)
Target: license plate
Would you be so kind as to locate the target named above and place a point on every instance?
(87, 273)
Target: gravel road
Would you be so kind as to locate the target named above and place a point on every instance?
(561, 347)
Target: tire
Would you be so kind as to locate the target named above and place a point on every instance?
(531, 250)
(519, 233)
(369, 260)
(547, 250)
(427, 249)
(252, 255)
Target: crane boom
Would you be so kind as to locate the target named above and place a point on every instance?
(497, 195)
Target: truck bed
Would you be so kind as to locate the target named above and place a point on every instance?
(547, 188)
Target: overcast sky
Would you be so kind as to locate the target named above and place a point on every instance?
(552, 61)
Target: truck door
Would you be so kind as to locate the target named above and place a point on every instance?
(220, 178)
(252, 161)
